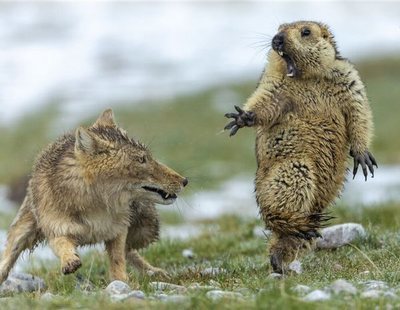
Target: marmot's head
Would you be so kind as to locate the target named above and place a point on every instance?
(304, 48)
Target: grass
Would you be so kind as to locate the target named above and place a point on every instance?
(231, 245)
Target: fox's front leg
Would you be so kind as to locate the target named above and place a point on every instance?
(65, 249)
(116, 253)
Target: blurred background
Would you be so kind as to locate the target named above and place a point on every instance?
(170, 70)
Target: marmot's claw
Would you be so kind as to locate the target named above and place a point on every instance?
(308, 235)
(240, 119)
(367, 162)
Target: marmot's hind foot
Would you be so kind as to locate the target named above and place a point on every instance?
(276, 263)
(308, 235)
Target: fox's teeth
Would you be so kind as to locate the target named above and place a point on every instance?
(166, 196)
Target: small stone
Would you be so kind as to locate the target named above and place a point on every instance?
(176, 299)
(343, 286)
(212, 271)
(244, 291)
(295, 266)
(136, 294)
(164, 286)
(365, 273)
(339, 235)
(22, 282)
(337, 267)
(118, 288)
(275, 275)
(198, 287)
(317, 295)
(214, 283)
(83, 284)
(47, 296)
(375, 285)
(301, 289)
(373, 294)
(218, 294)
(260, 232)
(161, 296)
(188, 253)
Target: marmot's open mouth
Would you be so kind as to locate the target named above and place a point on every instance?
(291, 68)
(162, 193)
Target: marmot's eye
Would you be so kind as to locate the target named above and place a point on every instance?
(305, 32)
(142, 159)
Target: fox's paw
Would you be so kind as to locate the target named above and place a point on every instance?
(71, 266)
(365, 160)
(240, 119)
(158, 272)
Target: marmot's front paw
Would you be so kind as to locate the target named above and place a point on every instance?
(366, 160)
(241, 119)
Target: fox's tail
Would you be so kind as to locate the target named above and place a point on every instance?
(23, 234)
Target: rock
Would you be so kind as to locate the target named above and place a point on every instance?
(188, 253)
(275, 275)
(198, 287)
(295, 266)
(373, 294)
(337, 267)
(212, 271)
(374, 285)
(244, 291)
(175, 298)
(218, 294)
(301, 289)
(343, 286)
(164, 286)
(390, 294)
(261, 232)
(118, 288)
(365, 273)
(161, 296)
(339, 235)
(136, 294)
(22, 282)
(214, 283)
(317, 295)
(47, 296)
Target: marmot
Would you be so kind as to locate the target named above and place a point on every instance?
(310, 110)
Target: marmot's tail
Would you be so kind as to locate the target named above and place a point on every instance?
(23, 234)
(301, 225)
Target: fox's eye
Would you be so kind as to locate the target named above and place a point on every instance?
(142, 159)
(305, 32)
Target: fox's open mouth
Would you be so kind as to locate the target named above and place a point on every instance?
(291, 68)
(159, 191)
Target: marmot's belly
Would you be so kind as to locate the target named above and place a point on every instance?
(321, 145)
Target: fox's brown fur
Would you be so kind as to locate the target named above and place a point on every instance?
(309, 110)
(92, 186)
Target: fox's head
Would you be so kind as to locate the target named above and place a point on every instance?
(114, 161)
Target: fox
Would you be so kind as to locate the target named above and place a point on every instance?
(90, 186)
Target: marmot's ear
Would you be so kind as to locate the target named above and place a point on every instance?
(88, 142)
(106, 119)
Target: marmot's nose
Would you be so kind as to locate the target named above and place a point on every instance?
(277, 41)
(185, 182)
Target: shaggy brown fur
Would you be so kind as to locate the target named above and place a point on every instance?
(92, 186)
(309, 110)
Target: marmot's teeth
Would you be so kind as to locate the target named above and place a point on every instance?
(280, 53)
(166, 196)
(290, 74)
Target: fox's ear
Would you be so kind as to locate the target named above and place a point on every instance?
(106, 119)
(87, 142)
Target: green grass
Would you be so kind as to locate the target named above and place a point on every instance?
(230, 244)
